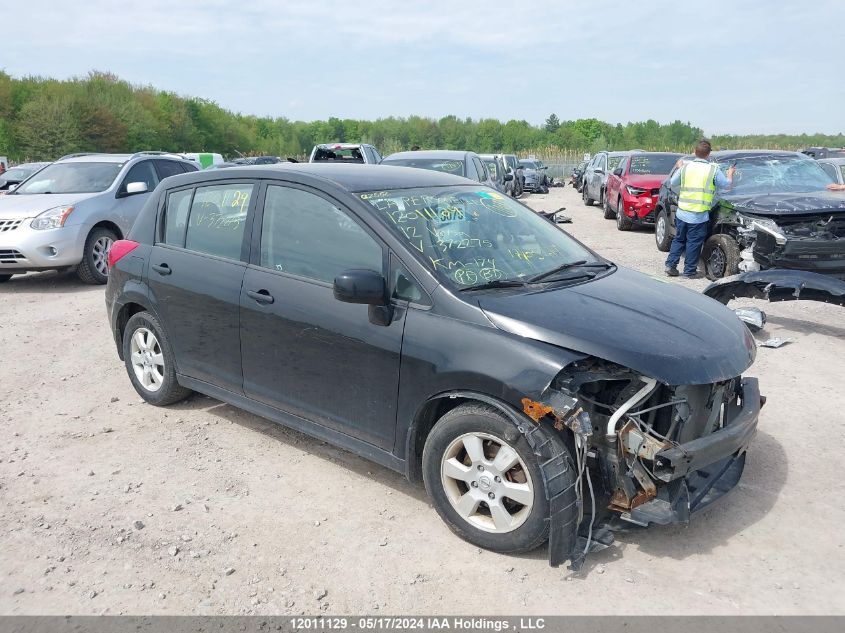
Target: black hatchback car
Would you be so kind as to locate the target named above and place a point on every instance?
(444, 330)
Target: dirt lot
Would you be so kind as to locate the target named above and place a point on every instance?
(113, 506)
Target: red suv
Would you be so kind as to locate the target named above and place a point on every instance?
(633, 186)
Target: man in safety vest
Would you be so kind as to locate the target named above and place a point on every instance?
(698, 181)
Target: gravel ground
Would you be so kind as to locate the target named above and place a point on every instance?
(108, 505)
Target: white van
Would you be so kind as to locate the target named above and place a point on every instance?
(203, 159)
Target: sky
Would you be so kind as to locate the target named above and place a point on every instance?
(737, 67)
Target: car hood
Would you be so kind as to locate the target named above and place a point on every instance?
(785, 204)
(658, 329)
(28, 206)
(645, 181)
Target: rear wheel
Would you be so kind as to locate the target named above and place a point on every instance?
(485, 480)
(721, 256)
(609, 213)
(94, 266)
(623, 222)
(149, 361)
(661, 232)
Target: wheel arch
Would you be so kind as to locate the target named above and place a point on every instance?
(111, 226)
(548, 445)
(133, 304)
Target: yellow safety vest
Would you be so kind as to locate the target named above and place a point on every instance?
(697, 187)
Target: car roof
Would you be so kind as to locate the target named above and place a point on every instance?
(753, 153)
(640, 152)
(340, 145)
(352, 178)
(835, 160)
(97, 157)
(615, 154)
(431, 153)
(490, 156)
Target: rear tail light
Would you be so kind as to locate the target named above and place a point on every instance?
(120, 249)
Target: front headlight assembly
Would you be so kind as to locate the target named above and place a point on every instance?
(51, 218)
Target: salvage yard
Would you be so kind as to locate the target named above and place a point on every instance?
(109, 505)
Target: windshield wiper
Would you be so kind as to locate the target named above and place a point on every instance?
(582, 263)
(496, 283)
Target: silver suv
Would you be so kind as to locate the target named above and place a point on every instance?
(69, 213)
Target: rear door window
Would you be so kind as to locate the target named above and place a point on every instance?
(167, 168)
(218, 219)
(306, 235)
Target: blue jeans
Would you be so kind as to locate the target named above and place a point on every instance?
(689, 239)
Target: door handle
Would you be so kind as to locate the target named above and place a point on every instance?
(261, 296)
(162, 269)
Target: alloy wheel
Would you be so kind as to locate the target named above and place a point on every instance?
(100, 251)
(660, 229)
(147, 359)
(487, 483)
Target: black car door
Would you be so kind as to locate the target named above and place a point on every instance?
(195, 273)
(304, 352)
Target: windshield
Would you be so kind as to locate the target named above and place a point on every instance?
(448, 166)
(645, 164)
(775, 174)
(528, 163)
(71, 178)
(472, 236)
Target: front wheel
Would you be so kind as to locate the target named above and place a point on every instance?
(585, 195)
(623, 222)
(4, 278)
(150, 362)
(94, 267)
(661, 232)
(485, 481)
(721, 256)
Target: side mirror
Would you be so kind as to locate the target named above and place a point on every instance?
(134, 188)
(508, 177)
(360, 286)
(617, 171)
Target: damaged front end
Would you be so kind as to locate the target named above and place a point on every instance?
(644, 451)
(805, 242)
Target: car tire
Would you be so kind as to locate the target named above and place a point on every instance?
(721, 256)
(609, 213)
(149, 359)
(4, 278)
(459, 485)
(623, 222)
(94, 269)
(662, 232)
(585, 196)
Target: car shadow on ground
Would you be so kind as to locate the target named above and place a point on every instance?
(49, 281)
(764, 477)
(800, 326)
(306, 443)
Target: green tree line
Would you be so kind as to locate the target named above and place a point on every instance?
(42, 118)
